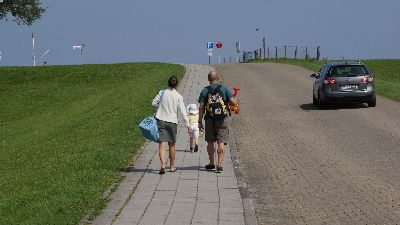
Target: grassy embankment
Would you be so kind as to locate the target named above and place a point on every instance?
(66, 132)
(387, 73)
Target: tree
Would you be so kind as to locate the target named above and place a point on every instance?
(24, 11)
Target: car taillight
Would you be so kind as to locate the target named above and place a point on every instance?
(329, 81)
(367, 80)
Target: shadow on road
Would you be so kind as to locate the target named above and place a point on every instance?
(310, 106)
(147, 170)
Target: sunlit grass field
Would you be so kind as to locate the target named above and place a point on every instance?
(66, 132)
(386, 72)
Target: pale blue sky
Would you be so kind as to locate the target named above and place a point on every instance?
(177, 30)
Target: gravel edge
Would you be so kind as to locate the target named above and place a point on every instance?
(248, 207)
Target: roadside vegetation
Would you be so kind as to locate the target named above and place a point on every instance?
(386, 72)
(66, 132)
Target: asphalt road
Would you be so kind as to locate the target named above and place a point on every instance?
(302, 165)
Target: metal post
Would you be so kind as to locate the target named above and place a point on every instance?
(318, 53)
(306, 53)
(268, 52)
(285, 51)
(209, 59)
(295, 53)
(276, 52)
(264, 46)
(33, 50)
(81, 55)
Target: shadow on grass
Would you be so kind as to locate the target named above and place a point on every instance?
(310, 106)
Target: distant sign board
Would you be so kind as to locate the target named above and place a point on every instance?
(238, 47)
(210, 45)
(210, 52)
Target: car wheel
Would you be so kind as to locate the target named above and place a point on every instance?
(314, 100)
(372, 103)
(321, 104)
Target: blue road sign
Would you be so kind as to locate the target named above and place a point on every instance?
(210, 45)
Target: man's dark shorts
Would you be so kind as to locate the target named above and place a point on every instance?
(217, 130)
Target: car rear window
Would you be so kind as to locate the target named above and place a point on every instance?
(347, 71)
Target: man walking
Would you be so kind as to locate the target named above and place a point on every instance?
(213, 101)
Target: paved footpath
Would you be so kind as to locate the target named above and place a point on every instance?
(191, 195)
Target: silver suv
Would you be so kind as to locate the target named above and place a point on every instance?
(343, 82)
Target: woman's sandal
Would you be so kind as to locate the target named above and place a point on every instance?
(172, 171)
(162, 171)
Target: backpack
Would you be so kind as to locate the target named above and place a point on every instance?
(215, 104)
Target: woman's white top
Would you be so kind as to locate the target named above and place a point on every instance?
(168, 108)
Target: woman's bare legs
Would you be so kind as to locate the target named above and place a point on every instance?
(161, 150)
(171, 156)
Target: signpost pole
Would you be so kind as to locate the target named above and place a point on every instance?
(210, 46)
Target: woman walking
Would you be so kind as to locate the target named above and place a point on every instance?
(168, 102)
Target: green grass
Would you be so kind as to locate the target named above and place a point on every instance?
(386, 71)
(66, 132)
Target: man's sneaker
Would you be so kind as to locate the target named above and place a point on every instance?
(210, 167)
(196, 148)
(191, 149)
(219, 170)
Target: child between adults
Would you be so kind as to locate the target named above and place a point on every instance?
(193, 114)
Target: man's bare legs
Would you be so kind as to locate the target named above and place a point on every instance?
(210, 151)
(220, 152)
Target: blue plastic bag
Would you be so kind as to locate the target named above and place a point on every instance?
(149, 128)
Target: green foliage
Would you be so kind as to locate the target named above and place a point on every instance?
(24, 11)
(386, 72)
(66, 132)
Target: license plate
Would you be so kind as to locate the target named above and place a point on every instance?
(349, 87)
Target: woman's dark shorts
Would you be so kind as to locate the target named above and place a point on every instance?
(167, 131)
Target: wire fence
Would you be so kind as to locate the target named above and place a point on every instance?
(279, 52)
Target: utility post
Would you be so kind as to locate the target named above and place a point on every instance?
(295, 52)
(276, 52)
(318, 53)
(80, 47)
(264, 46)
(33, 50)
(238, 51)
(306, 53)
(268, 52)
(83, 45)
(285, 50)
